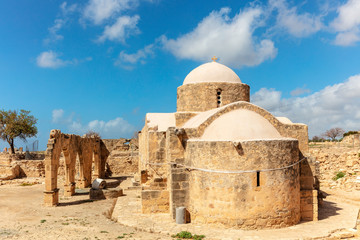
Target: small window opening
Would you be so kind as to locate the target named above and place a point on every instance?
(218, 92)
(258, 178)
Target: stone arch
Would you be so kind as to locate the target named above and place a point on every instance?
(72, 146)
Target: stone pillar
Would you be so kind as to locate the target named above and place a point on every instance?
(69, 185)
(85, 157)
(51, 193)
(81, 182)
(97, 161)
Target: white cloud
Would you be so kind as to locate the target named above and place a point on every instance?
(50, 59)
(98, 11)
(347, 38)
(53, 31)
(68, 9)
(59, 23)
(121, 29)
(347, 23)
(298, 25)
(334, 106)
(299, 91)
(127, 61)
(57, 115)
(231, 39)
(114, 128)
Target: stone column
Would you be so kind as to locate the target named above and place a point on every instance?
(97, 160)
(81, 181)
(69, 185)
(51, 193)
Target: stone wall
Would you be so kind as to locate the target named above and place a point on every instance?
(338, 159)
(11, 166)
(154, 201)
(123, 160)
(124, 156)
(352, 140)
(201, 97)
(247, 200)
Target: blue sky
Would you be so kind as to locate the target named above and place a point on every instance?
(103, 64)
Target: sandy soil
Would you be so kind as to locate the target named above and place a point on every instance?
(23, 216)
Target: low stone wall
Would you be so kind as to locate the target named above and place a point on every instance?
(155, 201)
(123, 160)
(31, 168)
(338, 159)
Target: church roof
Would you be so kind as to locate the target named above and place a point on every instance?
(211, 72)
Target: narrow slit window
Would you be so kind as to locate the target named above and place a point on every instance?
(258, 178)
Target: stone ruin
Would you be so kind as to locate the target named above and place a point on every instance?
(90, 151)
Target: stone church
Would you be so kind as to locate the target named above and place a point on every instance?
(224, 159)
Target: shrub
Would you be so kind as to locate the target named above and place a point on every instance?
(188, 235)
(350, 133)
(338, 175)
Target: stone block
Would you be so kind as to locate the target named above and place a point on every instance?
(51, 198)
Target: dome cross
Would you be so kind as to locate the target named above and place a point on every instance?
(214, 58)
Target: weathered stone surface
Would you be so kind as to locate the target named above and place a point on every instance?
(334, 159)
(191, 167)
(203, 96)
(87, 148)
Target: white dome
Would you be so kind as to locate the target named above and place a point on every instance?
(240, 124)
(212, 72)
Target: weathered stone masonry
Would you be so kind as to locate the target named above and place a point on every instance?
(184, 156)
(88, 149)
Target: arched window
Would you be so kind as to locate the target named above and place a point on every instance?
(218, 97)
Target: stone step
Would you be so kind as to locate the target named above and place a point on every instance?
(134, 188)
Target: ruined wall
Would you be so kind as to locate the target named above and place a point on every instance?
(236, 200)
(338, 159)
(11, 166)
(88, 149)
(201, 97)
(351, 140)
(308, 190)
(124, 156)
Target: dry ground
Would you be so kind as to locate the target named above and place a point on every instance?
(23, 216)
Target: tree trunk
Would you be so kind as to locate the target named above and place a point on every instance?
(11, 143)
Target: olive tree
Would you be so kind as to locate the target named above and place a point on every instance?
(14, 124)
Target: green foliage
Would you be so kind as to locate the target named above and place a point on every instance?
(42, 220)
(350, 133)
(338, 175)
(24, 184)
(188, 235)
(14, 124)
